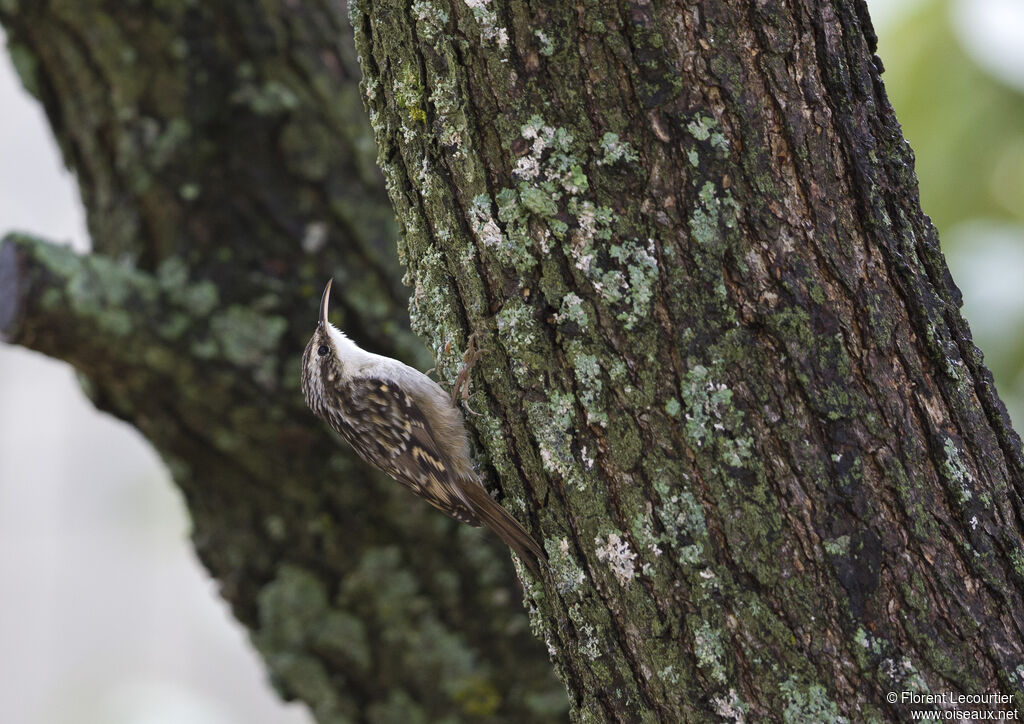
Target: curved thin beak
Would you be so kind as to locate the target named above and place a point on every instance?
(324, 302)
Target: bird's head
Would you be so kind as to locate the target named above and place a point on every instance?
(321, 362)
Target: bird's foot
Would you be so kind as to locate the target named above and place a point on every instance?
(461, 390)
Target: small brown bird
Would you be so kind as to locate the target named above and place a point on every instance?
(404, 423)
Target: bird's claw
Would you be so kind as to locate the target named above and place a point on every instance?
(460, 392)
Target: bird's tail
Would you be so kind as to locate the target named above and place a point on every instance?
(508, 528)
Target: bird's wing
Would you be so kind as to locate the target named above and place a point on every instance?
(388, 429)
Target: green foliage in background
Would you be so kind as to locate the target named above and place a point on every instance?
(967, 131)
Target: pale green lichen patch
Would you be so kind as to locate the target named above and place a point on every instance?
(450, 120)
(276, 527)
(594, 224)
(628, 287)
(953, 365)
(409, 95)
(837, 546)
(568, 575)
(248, 338)
(388, 594)
(164, 147)
(904, 675)
(116, 321)
(61, 259)
(513, 249)
(398, 706)
(705, 128)
(96, 288)
(870, 652)
(710, 652)
(636, 286)
(547, 175)
(1017, 561)
(810, 703)
(587, 370)
(199, 299)
(431, 19)
(269, 98)
(521, 336)
(548, 206)
(432, 311)
(538, 201)
(711, 416)
(589, 645)
(100, 285)
(342, 634)
(572, 311)
(172, 273)
(643, 533)
(615, 150)
(295, 618)
(296, 675)
(957, 472)
(551, 161)
(491, 30)
(553, 425)
(679, 513)
(173, 326)
(731, 708)
(710, 215)
(547, 44)
(670, 675)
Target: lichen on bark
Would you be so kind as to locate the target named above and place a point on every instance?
(727, 384)
(227, 171)
(728, 376)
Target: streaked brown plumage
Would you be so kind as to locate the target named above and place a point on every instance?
(399, 420)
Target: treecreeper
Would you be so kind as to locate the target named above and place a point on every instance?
(401, 421)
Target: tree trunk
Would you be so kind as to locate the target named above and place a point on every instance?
(728, 385)
(227, 170)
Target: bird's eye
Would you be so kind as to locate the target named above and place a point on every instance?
(322, 350)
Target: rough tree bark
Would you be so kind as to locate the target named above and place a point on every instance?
(728, 384)
(227, 168)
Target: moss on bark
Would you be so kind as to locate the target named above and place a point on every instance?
(729, 388)
(227, 169)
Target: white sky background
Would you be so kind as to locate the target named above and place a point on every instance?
(105, 615)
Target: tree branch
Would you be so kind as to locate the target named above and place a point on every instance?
(353, 590)
(90, 311)
(222, 153)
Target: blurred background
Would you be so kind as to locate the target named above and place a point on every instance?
(105, 614)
